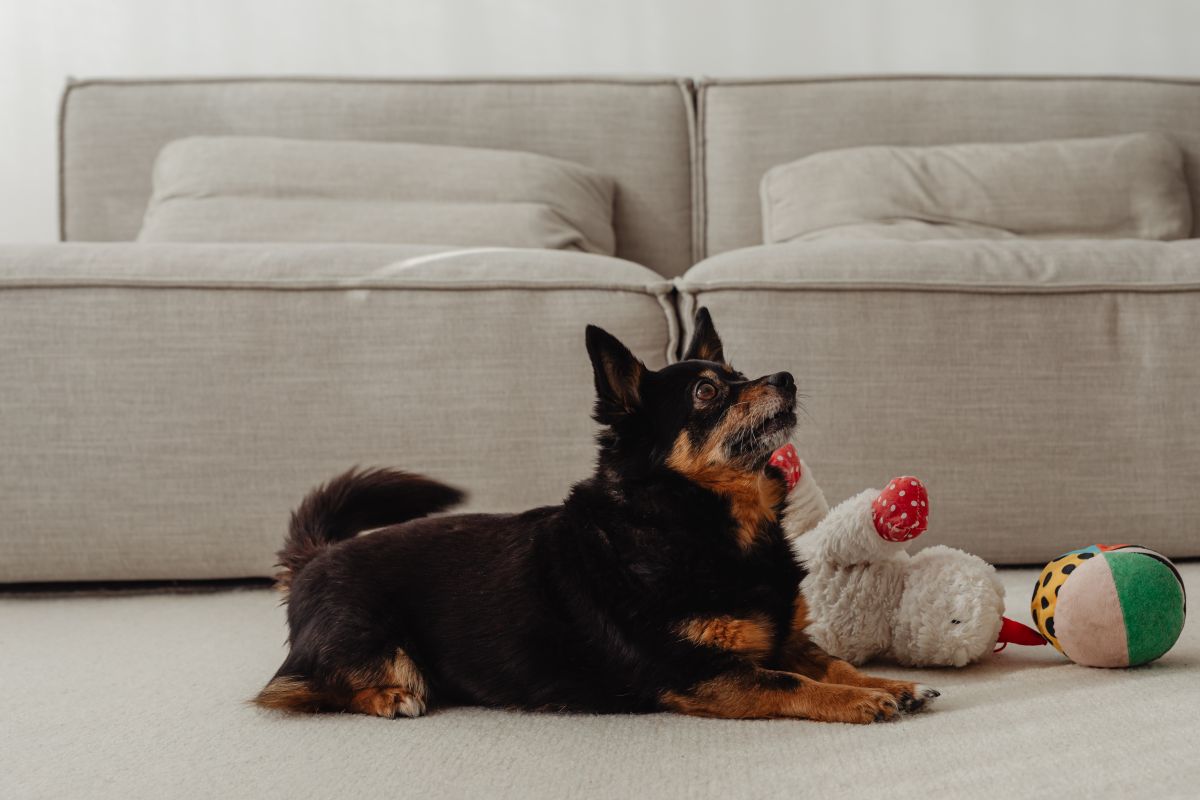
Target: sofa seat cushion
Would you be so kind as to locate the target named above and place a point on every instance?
(166, 405)
(266, 189)
(1057, 376)
(145, 696)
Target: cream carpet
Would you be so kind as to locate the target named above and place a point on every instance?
(144, 696)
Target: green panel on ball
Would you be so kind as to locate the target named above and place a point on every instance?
(1152, 603)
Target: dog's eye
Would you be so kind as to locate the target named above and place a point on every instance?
(705, 391)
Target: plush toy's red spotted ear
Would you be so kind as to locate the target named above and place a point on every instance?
(1014, 632)
(901, 511)
(787, 461)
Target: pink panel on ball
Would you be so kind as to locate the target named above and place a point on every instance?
(1087, 617)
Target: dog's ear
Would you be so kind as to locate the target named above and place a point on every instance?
(618, 375)
(705, 345)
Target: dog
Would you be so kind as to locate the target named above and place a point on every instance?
(662, 583)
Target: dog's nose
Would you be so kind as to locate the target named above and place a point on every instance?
(782, 380)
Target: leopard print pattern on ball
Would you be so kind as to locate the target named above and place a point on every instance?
(1045, 592)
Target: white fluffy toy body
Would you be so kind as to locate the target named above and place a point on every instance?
(869, 598)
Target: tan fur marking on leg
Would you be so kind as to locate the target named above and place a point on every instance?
(387, 701)
(393, 689)
(799, 653)
(765, 694)
(803, 656)
(290, 694)
(800, 617)
(405, 673)
(845, 673)
(388, 689)
(752, 636)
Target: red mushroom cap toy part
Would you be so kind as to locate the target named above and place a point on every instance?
(901, 511)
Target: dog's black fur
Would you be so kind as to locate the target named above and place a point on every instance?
(583, 606)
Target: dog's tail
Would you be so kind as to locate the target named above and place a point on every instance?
(356, 501)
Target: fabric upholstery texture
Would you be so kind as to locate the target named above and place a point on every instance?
(637, 131)
(263, 189)
(138, 374)
(748, 126)
(144, 696)
(166, 405)
(1114, 187)
(1043, 391)
(896, 230)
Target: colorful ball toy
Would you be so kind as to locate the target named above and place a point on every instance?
(1114, 605)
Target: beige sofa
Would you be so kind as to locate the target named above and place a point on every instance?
(164, 405)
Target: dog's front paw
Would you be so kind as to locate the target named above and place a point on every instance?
(857, 705)
(874, 706)
(910, 697)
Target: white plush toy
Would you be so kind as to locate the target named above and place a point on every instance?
(868, 598)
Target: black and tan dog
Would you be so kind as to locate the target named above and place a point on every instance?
(663, 582)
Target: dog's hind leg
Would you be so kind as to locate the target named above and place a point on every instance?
(397, 689)
(390, 688)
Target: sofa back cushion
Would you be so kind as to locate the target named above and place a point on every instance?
(1114, 187)
(747, 127)
(262, 189)
(637, 131)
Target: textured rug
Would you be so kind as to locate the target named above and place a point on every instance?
(143, 695)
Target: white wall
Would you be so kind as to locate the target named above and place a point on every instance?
(43, 41)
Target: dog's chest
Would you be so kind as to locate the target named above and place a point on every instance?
(763, 581)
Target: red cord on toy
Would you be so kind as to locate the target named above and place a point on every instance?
(1016, 633)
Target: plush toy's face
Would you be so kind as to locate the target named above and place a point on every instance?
(951, 610)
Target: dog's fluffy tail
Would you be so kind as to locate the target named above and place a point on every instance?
(356, 501)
